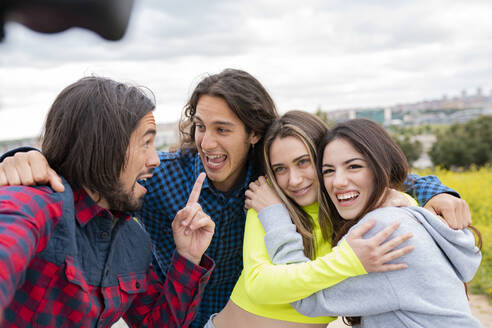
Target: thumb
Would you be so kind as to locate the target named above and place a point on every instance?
(55, 181)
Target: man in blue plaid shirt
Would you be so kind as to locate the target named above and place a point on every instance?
(222, 134)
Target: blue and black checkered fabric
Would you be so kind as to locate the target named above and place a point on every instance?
(424, 188)
(168, 192)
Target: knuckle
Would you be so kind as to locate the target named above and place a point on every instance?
(371, 247)
(27, 181)
(20, 156)
(373, 257)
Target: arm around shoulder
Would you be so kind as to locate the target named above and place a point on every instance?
(360, 295)
(267, 283)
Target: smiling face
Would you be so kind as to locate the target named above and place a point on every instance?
(294, 170)
(222, 142)
(141, 158)
(347, 178)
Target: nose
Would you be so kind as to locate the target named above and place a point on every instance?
(340, 179)
(208, 141)
(153, 160)
(295, 178)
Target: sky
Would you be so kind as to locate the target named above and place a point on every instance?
(327, 54)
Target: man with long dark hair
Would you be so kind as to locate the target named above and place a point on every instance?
(222, 132)
(78, 258)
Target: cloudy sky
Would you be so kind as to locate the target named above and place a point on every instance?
(316, 53)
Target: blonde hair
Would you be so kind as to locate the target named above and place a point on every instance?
(309, 129)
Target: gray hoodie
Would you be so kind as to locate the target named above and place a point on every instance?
(429, 293)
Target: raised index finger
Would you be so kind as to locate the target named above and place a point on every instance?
(197, 188)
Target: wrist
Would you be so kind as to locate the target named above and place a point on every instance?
(193, 259)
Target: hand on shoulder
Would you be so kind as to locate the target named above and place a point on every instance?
(261, 195)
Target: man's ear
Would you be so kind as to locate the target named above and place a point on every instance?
(254, 138)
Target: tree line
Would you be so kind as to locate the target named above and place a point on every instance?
(459, 145)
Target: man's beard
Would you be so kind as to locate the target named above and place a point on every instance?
(123, 201)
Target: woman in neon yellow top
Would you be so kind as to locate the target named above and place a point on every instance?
(263, 292)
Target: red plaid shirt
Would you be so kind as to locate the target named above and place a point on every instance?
(57, 271)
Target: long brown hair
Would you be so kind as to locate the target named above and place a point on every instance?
(309, 129)
(247, 99)
(383, 157)
(88, 129)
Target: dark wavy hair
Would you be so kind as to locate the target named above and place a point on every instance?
(88, 129)
(247, 99)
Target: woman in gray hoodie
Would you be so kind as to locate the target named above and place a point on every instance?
(359, 162)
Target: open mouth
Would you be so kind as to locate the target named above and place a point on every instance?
(215, 161)
(141, 180)
(347, 197)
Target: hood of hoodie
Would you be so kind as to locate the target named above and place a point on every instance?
(458, 245)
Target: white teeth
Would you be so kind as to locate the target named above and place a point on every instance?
(214, 156)
(212, 164)
(347, 195)
(300, 191)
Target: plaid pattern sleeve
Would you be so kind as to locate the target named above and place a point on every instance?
(174, 302)
(424, 188)
(27, 219)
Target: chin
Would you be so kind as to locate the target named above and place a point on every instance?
(349, 216)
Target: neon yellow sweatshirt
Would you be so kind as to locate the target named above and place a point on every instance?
(266, 289)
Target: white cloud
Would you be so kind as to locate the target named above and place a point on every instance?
(333, 54)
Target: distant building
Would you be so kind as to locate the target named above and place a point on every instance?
(445, 110)
(376, 115)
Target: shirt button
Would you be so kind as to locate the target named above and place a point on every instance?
(104, 235)
(137, 284)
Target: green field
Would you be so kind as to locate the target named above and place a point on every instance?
(475, 186)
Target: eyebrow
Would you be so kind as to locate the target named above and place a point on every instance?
(294, 160)
(347, 161)
(150, 132)
(215, 122)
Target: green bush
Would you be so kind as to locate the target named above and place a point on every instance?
(463, 145)
(411, 149)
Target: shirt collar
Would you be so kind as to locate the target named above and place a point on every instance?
(86, 209)
(312, 209)
(237, 191)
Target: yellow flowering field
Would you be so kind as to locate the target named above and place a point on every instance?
(475, 186)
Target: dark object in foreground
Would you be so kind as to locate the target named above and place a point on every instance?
(108, 18)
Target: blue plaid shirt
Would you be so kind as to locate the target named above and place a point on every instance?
(168, 192)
